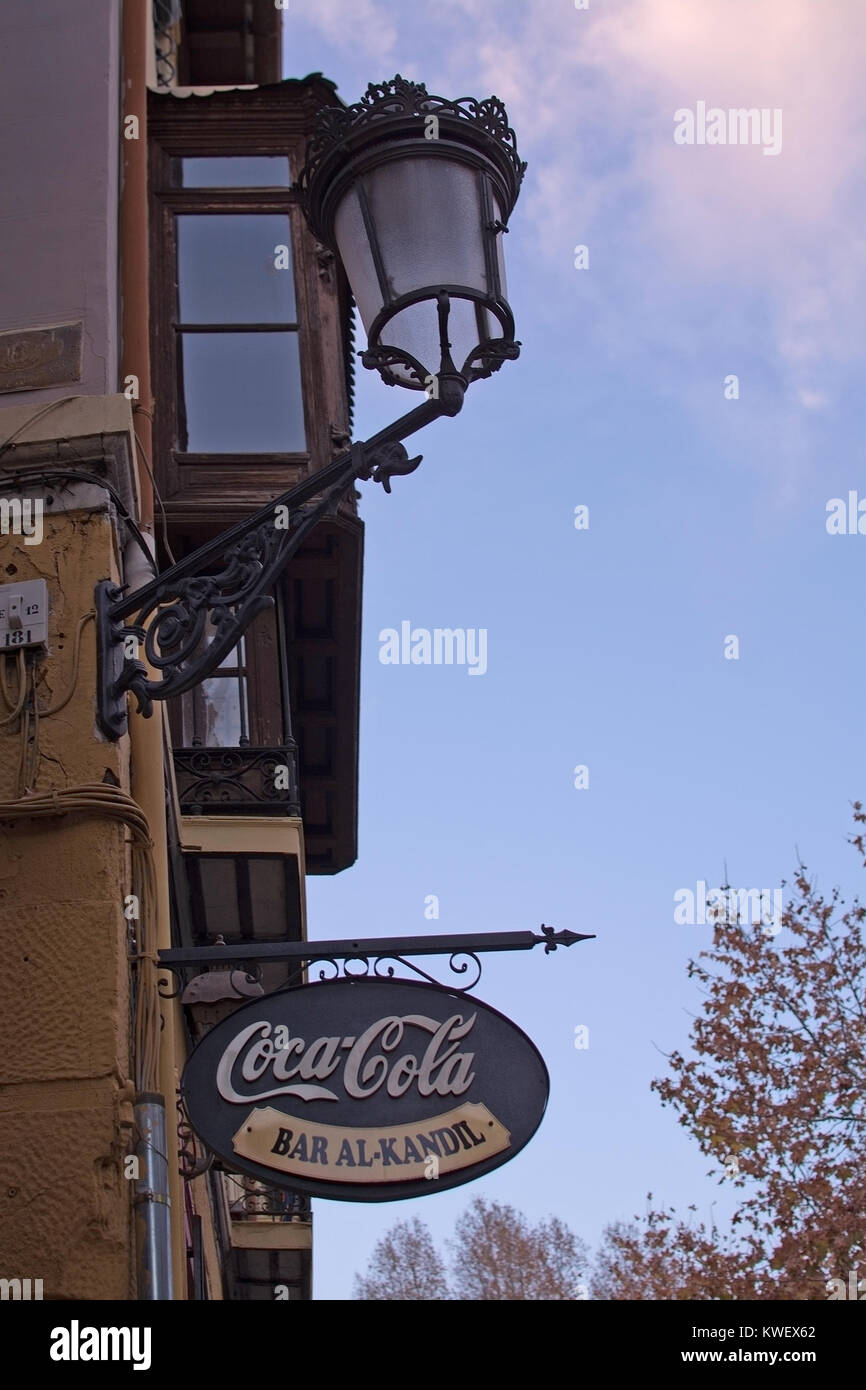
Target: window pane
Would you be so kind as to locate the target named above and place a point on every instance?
(222, 712)
(243, 393)
(235, 659)
(236, 171)
(227, 268)
(220, 893)
(268, 896)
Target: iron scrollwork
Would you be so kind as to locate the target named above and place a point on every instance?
(459, 962)
(166, 21)
(171, 616)
(401, 98)
(489, 357)
(229, 780)
(383, 968)
(191, 616)
(176, 981)
(195, 1158)
(256, 1200)
(327, 968)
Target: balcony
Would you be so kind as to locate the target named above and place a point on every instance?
(266, 1218)
(288, 696)
(250, 1200)
(266, 1240)
(199, 42)
(238, 781)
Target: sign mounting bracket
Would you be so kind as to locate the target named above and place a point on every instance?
(356, 954)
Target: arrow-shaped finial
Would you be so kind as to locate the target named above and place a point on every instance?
(553, 938)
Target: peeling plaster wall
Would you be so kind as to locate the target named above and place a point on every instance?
(65, 1113)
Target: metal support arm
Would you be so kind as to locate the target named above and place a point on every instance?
(224, 584)
(371, 957)
(384, 951)
(384, 946)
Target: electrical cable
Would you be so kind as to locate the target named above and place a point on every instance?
(157, 495)
(28, 751)
(48, 475)
(52, 405)
(33, 746)
(61, 704)
(22, 686)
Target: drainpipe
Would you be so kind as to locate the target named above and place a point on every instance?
(152, 1203)
(134, 271)
(160, 1240)
(159, 1203)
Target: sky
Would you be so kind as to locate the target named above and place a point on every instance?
(609, 647)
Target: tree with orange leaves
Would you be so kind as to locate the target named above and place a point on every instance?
(776, 1095)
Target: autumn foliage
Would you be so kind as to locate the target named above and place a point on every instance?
(775, 1095)
(496, 1254)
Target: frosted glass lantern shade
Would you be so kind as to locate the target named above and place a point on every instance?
(416, 224)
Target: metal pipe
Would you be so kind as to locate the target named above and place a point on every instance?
(132, 230)
(152, 1203)
(154, 1252)
(148, 787)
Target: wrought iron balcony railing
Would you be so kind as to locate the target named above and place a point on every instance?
(249, 1200)
(238, 781)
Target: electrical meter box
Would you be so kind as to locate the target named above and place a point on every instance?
(23, 614)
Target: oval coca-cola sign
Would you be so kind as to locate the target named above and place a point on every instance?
(365, 1090)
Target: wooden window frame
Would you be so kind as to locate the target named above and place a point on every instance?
(265, 685)
(196, 709)
(264, 121)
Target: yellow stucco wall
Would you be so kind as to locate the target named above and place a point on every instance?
(65, 1113)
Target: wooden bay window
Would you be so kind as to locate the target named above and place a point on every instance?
(251, 366)
(249, 314)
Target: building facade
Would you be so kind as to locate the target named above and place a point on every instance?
(175, 351)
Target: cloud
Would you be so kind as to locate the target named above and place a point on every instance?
(703, 260)
(365, 27)
(593, 93)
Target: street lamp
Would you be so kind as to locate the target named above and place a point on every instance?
(413, 192)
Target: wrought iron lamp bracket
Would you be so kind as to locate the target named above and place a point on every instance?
(224, 584)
